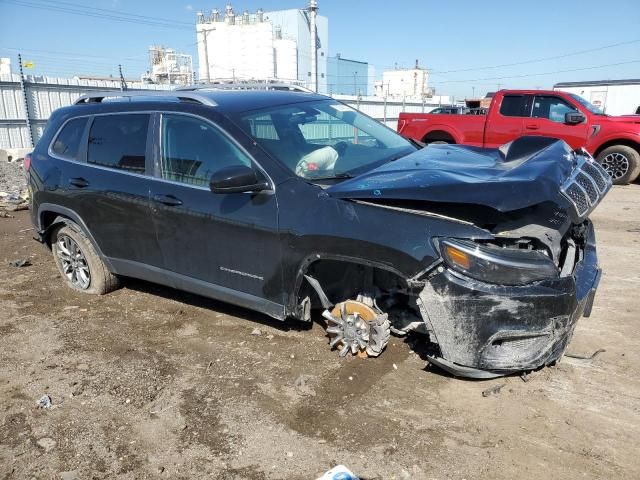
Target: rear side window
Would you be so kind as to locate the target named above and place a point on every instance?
(512, 106)
(119, 142)
(67, 143)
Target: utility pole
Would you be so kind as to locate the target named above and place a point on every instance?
(206, 54)
(23, 89)
(473, 92)
(123, 84)
(313, 12)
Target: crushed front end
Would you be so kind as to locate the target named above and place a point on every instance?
(494, 308)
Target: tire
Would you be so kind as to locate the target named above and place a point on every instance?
(621, 162)
(79, 264)
(439, 142)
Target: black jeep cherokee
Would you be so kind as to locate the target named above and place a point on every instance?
(282, 201)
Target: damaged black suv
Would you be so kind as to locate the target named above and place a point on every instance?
(284, 201)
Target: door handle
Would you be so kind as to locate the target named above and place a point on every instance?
(167, 200)
(532, 127)
(78, 182)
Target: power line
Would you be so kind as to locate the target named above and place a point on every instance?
(104, 16)
(539, 74)
(537, 60)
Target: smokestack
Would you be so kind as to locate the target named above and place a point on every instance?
(313, 12)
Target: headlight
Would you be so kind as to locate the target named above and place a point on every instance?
(497, 265)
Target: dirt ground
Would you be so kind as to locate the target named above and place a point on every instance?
(149, 382)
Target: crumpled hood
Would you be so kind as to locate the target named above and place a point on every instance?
(520, 174)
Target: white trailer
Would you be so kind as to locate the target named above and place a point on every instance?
(614, 97)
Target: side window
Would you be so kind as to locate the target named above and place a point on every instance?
(67, 143)
(512, 106)
(193, 150)
(119, 142)
(552, 108)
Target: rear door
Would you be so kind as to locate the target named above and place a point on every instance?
(215, 243)
(505, 120)
(107, 186)
(547, 119)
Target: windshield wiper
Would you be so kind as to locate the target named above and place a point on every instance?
(332, 177)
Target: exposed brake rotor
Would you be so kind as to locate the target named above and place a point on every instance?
(359, 328)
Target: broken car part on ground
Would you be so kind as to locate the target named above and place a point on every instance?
(308, 203)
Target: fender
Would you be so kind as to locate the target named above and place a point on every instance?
(313, 258)
(73, 220)
(457, 136)
(611, 138)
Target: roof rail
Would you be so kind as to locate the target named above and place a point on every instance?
(98, 97)
(257, 85)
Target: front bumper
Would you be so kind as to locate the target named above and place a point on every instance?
(486, 330)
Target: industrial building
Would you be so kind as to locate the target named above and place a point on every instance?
(349, 77)
(264, 46)
(168, 67)
(408, 83)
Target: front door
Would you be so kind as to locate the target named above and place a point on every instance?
(547, 119)
(228, 242)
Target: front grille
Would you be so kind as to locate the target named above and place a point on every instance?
(586, 186)
(579, 198)
(597, 174)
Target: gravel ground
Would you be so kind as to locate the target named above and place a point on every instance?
(12, 178)
(150, 382)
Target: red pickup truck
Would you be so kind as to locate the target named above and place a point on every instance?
(613, 141)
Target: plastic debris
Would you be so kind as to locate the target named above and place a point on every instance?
(339, 473)
(585, 357)
(256, 331)
(23, 262)
(44, 402)
(493, 390)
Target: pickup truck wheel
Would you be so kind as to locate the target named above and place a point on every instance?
(622, 163)
(439, 142)
(79, 264)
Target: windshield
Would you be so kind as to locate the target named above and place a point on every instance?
(586, 104)
(324, 139)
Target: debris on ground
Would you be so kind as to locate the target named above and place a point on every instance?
(585, 357)
(23, 262)
(339, 473)
(256, 331)
(302, 387)
(530, 375)
(47, 444)
(44, 402)
(493, 390)
(4, 214)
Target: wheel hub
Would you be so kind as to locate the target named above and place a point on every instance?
(358, 328)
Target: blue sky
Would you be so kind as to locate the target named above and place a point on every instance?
(446, 37)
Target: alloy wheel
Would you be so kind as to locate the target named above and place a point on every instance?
(74, 264)
(616, 164)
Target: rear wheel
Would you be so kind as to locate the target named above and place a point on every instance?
(622, 163)
(79, 264)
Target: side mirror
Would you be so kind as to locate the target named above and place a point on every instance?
(237, 179)
(574, 118)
